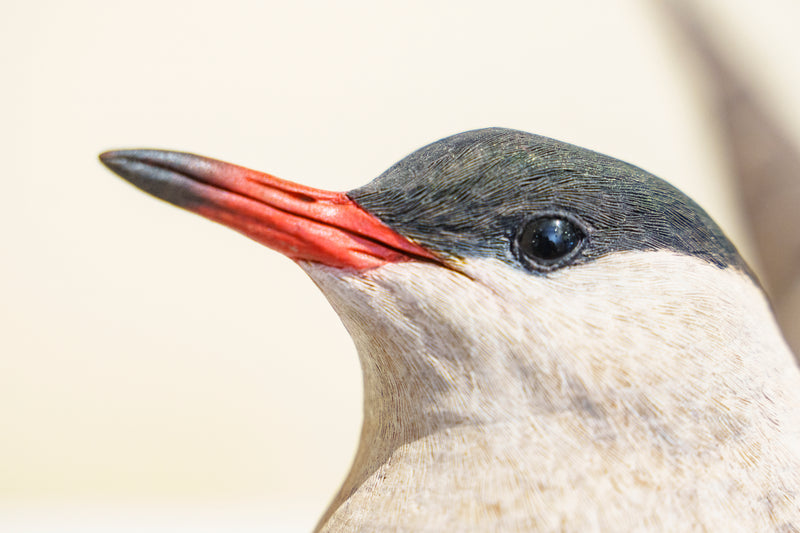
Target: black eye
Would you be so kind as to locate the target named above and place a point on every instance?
(546, 241)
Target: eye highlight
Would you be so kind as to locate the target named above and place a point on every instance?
(547, 242)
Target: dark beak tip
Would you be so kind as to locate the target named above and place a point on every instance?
(129, 165)
(122, 162)
(112, 158)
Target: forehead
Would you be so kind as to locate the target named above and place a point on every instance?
(466, 196)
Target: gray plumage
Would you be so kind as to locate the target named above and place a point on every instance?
(465, 196)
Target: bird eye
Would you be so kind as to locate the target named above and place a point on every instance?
(545, 242)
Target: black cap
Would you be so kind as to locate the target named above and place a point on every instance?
(468, 196)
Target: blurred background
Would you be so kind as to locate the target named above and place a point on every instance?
(162, 373)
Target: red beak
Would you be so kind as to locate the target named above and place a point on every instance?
(303, 223)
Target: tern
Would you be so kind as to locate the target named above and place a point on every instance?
(551, 339)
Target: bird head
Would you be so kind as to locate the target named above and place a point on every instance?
(496, 275)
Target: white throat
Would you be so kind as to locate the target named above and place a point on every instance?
(635, 351)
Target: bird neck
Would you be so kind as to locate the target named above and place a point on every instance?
(640, 355)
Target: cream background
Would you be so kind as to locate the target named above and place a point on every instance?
(158, 371)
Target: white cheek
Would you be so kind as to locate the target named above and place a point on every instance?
(651, 328)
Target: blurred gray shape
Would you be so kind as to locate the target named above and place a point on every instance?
(762, 158)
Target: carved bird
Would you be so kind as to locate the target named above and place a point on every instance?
(551, 339)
